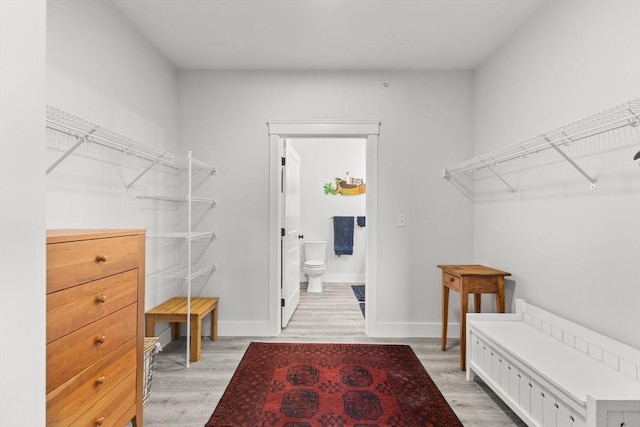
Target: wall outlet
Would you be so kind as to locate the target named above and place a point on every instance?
(401, 221)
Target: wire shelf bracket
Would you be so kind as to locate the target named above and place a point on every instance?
(621, 116)
(509, 186)
(574, 164)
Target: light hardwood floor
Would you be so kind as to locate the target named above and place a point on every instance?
(187, 397)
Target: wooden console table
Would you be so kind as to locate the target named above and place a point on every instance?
(469, 279)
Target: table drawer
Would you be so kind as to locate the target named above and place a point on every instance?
(483, 285)
(80, 349)
(73, 263)
(72, 308)
(108, 410)
(82, 392)
(451, 281)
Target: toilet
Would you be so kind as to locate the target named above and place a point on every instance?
(315, 256)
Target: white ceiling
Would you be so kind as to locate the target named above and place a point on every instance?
(327, 34)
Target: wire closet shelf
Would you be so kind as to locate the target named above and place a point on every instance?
(623, 115)
(85, 131)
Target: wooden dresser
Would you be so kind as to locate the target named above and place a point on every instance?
(95, 327)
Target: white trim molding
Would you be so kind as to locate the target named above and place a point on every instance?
(278, 131)
(323, 128)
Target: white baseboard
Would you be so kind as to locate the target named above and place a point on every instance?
(244, 329)
(411, 330)
(379, 330)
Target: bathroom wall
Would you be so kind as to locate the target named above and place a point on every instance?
(103, 70)
(571, 250)
(321, 161)
(22, 213)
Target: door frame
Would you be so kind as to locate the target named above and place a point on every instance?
(280, 130)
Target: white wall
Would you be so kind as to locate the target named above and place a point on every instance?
(571, 250)
(321, 161)
(101, 69)
(22, 213)
(426, 124)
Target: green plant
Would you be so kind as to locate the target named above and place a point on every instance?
(328, 189)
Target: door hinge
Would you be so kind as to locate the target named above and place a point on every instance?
(282, 232)
(281, 302)
(284, 161)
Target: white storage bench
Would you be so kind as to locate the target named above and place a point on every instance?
(553, 372)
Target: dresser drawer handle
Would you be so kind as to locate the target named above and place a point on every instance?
(101, 299)
(101, 339)
(100, 380)
(101, 258)
(452, 279)
(99, 421)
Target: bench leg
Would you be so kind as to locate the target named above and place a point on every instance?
(151, 325)
(214, 323)
(175, 330)
(195, 339)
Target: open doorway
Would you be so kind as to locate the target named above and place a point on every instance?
(278, 132)
(332, 203)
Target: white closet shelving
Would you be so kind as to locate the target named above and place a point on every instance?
(84, 132)
(190, 271)
(627, 114)
(79, 132)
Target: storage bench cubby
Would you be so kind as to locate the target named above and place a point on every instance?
(553, 372)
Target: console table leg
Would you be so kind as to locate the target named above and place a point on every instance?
(464, 304)
(445, 315)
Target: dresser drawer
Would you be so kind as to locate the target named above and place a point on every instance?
(72, 263)
(108, 411)
(82, 392)
(72, 308)
(71, 354)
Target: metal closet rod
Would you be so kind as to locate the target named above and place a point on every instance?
(623, 115)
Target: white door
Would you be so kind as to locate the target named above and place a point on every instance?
(291, 239)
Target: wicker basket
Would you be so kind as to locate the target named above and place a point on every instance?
(150, 350)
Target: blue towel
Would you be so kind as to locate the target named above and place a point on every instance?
(343, 235)
(361, 221)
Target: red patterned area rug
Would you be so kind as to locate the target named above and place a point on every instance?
(304, 385)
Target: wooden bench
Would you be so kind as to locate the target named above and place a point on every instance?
(174, 311)
(553, 372)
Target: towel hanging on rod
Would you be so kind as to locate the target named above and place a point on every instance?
(343, 235)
